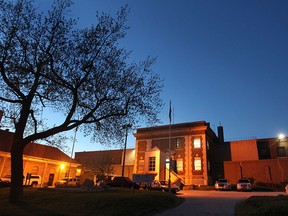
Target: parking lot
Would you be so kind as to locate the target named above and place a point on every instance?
(212, 203)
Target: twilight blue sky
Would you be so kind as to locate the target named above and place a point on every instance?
(221, 60)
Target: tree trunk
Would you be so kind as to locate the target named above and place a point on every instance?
(16, 188)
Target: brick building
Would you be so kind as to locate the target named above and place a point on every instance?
(92, 160)
(189, 147)
(198, 155)
(47, 161)
(264, 160)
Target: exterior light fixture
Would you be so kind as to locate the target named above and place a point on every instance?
(281, 136)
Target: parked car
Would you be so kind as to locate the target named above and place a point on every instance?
(222, 184)
(5, 181)
(32, 180)
(244, 184)
(123, 181)
(162, 185)
(68, 182)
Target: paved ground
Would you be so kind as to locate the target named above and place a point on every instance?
(212, 203)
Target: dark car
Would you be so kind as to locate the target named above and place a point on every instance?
(163, 185)
(244, 184)
(5, 181)
(222, 184)
(123, 182)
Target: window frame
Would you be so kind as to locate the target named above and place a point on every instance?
(197, 163)
(179, 143)
(197, 145)
(179, 163)
(152, 164)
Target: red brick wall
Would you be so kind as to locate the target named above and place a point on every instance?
(267, 171)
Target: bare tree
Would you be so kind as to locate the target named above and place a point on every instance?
(47, 62)
(103, 167)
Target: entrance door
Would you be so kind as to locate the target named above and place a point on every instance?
(51, 179)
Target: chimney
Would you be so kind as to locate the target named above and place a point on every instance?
(220, 134)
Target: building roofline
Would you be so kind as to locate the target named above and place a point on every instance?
(173, 126)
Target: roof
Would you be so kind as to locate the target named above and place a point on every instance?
(33, 149)
(173, 126)
(179, 129)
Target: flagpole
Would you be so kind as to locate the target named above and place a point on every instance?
(74, 139)
(169, 180)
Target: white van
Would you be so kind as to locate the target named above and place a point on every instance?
(32, 180)
(70, 182)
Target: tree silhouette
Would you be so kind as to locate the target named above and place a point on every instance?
(46, 62)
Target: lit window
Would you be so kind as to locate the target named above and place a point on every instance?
(152, 162)
(179, 143)
(197, 143)
(197, 163)
(179, 164)
(167, 163)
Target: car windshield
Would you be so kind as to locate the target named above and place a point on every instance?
(164, 182)
(243, 181)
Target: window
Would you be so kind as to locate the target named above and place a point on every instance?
(281, 152)
(152, 161)
(167, 162)
(197, 163)
(179, 164)
(197, 143)
(179, 143)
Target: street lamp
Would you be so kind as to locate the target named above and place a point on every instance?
(126, 127)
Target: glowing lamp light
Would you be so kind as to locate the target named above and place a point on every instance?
(62, 166)
(78, 171)
(281, 136)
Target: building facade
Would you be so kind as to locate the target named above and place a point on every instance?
(185, 147)
(108, 159)
(47, 161)
(263, 160)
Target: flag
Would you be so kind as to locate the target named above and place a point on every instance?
(170, 112)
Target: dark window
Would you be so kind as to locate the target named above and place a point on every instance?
(263, 150)
(281, 152)
(179, 143)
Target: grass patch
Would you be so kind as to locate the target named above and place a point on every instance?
(109, 202)
(263, 206)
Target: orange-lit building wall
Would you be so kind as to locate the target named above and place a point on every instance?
(244, 150)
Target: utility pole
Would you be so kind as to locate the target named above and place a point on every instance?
(126, 127)
(169, 181)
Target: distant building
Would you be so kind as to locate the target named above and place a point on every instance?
(47, 161)
(93, 159)
(264, 160)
